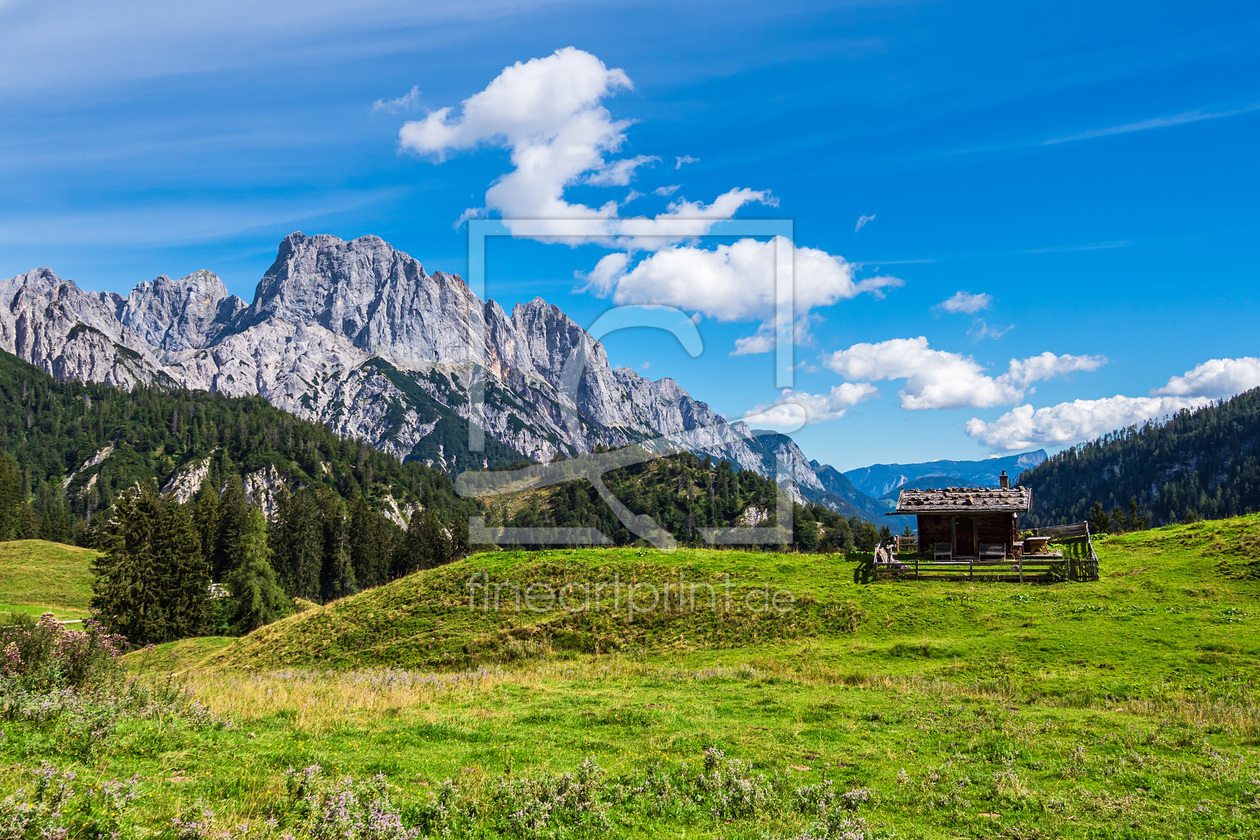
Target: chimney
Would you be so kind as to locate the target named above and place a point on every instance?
(1004, 481)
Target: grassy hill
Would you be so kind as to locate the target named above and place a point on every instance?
(37, 576)
(1160, 590)
(1126, 708)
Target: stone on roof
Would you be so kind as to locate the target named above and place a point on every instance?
(966, 500)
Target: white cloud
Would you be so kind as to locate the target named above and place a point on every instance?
(684, 160)
(405, 102)
(966, 302)
(1079, 420)
(788, 409)
(619, 173)
(684, 220)
(981, 329)
(762, 341)
(734, 282)
(1024, 372)
(1164, 121)
(548, 113)
(940, 379)
(1023, 427)
(1215, 378)
(863, 221)
(666, 191)
(603, 278)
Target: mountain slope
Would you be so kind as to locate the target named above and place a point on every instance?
(1200, 464)
(358, 336)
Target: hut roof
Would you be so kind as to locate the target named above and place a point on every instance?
(965, 500)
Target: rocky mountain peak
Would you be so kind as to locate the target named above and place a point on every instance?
(550, 337)
(179, 314)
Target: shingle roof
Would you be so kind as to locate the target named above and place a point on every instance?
(966, 500)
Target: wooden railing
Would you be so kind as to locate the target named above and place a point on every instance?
(1077, 547)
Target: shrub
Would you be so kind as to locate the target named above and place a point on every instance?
(343, 810)
(59, 801)
(46, 654)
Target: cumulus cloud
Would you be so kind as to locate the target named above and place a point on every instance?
(1071, 422)
(735, 282)
(1023, 427)
(787, 411)
(666, 191)
(685, 159)
(405, 102)
(863, 221)
(940, 379)
(548, 112)
(1215, 378)
(966, 302)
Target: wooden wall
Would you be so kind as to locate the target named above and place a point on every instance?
(993, 528)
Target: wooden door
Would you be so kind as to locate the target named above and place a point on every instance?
(965, 536)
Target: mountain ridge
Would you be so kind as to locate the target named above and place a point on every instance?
(356, 335)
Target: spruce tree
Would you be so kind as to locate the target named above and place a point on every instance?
(257, 598)
(187, 584)
(127, 594)
(435, 546)
(424, 546)
(1099, 521)
(233, 513)
(206, 517)
(10, 497)
(299, 547)
(369, 537)
(336, 578)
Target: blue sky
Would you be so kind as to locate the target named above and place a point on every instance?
(1085, 173)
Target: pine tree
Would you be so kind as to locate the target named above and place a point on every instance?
(257, 598)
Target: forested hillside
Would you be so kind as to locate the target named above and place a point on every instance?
(682, 493)
(1201, 464)
(52, 431)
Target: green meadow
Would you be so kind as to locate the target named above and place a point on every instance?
(1122, 708)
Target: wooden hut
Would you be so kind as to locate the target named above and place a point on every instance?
(967, 523)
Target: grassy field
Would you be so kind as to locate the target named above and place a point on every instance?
(37, 576)
(1122, 708)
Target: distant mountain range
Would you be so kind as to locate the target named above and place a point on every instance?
(885, 481)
